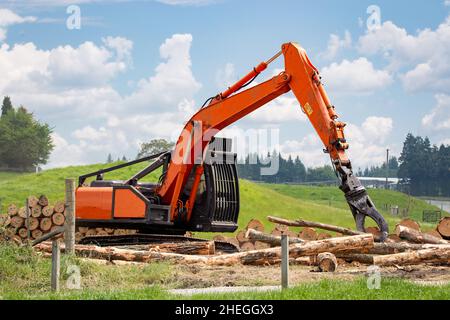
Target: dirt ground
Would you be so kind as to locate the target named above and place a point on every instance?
(195, 276)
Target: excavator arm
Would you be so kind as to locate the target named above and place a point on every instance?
(300, 77)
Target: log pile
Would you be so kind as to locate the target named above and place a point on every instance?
(32, 221)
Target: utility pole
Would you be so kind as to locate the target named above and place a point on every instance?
(387, 168)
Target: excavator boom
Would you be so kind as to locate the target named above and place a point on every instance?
(193, 164)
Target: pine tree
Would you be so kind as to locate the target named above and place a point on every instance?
(6, 106)
(109, 159)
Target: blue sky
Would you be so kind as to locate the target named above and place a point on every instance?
(137, 70)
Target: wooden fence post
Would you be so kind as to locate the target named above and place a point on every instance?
(284, 261)
(27, 221)
(55, 265)
(69, 234)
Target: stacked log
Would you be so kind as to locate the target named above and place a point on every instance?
(81, 232)
(34, 220)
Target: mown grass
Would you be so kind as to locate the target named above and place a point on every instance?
(24, 274)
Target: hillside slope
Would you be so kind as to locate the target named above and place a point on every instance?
(324, 204)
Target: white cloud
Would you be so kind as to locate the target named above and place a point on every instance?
(335, 44)
(9, 18)
(421, 59)
(439, 117)
(282, 109)
(358, 77)
(367, 144)
(187, 2)
(447, 2)
(226, 76)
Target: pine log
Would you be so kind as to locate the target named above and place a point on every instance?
(444, 228)
(256, 225)
(17, 221)
(36, 211)
(5, 221)
(12, 210)
(240, 236)
(43, 201)
(281, 227)
(392, 248)
(22, 212)
(434, 233)
(394, 238)
(268, 238)
(84, 229)
(413, 257)
(23, 233)
(322, 236)
(36, 234)
(359, 257)
(45, 224)
(47, 211)
(261, 245)
(247, 246)
(232, 240)
(290, 234)
(58, 219)
(78, 236)
(60, 206)
(416, 236)
(255, 257)
(374, 230)
(311, 224)
(33, 223)
(190, 248)
(308, 234)
(219, 237)
(110, 230)
(275, 232)
(327, 262)
(32, 201)
(10, 232)
(92, 232)
(410, 223)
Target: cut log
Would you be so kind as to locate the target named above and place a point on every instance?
(190, 248)
(102, 233)
(255, 257)
(232, 240)
(269, 238)
(22, 212)
(23, 233)
(36, 211)
(60, 206)
(322, 236)
(290, 234)
(304, 223)
(58, 219)
(444, 227)
(327, 262)
(276, 233)
(32, 201)
(33, 223)
(78, 236)
(261, 245)
(219, 237)
(47, 211)
(281, 227)
(45, 224)
(394, 238)
(308, 234)
(374, 230)
(36, 234)
(410, 223)
(247, 246)
(255, 225)
(413, 257)
(110, 231)
(12, 210)
(240, 236)
(84, 229)
(358, 257)
(17, 221)
(92, 232)
(434, 233)
(5, 221)
(98, 230)
(43, 201)
(10, 232)
(416, 236)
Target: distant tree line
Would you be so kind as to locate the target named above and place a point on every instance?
(425, 168)
(289, 170)
(25, 143)
(380, 171)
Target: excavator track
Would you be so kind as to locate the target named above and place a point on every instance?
(142, 239)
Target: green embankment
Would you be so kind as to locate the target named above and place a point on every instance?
(324, 204)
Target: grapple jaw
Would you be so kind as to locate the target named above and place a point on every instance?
(360, 203)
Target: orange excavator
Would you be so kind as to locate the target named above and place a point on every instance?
(198, 189)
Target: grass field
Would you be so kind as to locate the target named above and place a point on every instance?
(324, 204)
